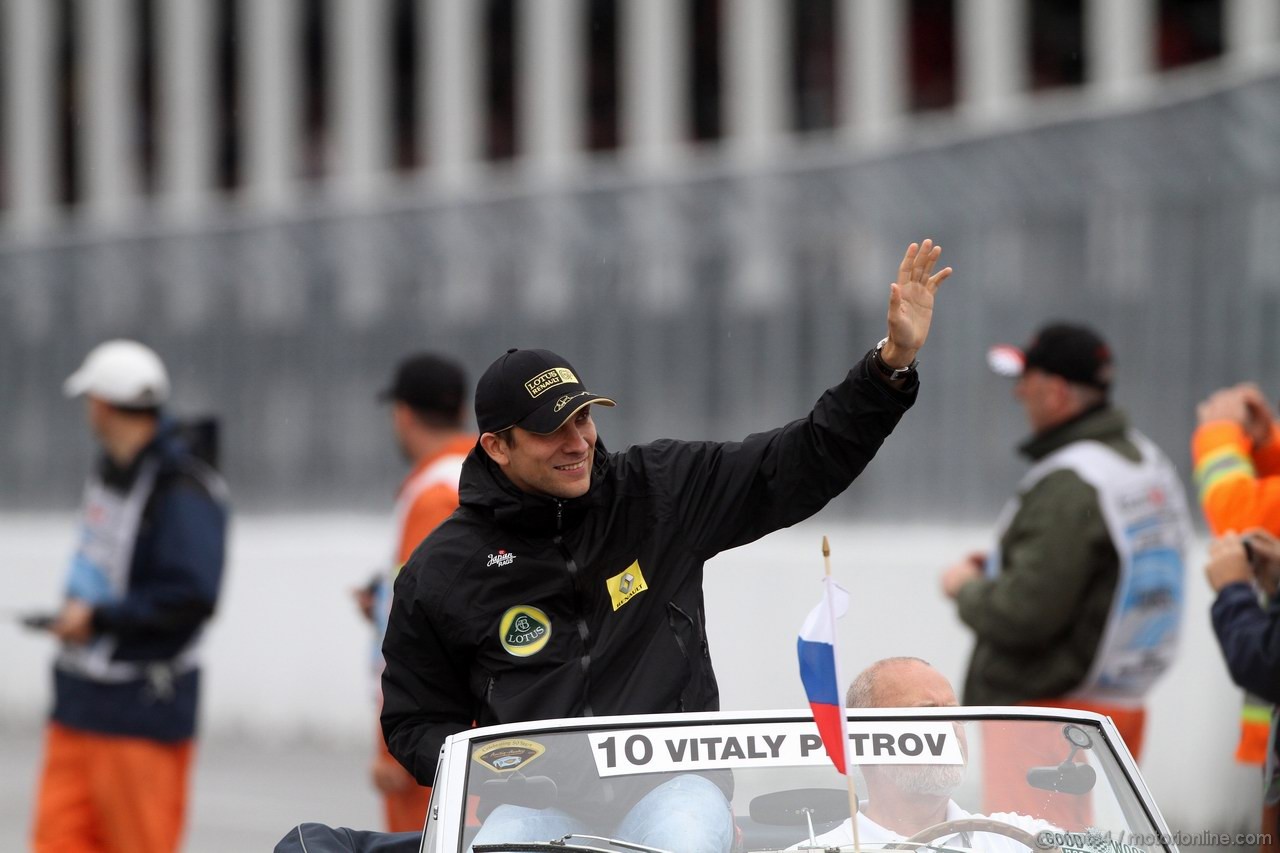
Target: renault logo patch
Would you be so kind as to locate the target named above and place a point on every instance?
(549, 379)
(627, 585)
(524, 630)
(504, 756)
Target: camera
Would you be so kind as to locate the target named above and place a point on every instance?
(1250, 554)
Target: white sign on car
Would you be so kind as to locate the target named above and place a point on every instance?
(683, 748)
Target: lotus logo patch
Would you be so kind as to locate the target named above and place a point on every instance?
(549, 379)
(503, 756)
(524, 630)
(627, 585)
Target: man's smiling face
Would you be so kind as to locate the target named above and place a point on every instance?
(557, 464)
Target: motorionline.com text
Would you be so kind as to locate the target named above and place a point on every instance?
(1126, 842)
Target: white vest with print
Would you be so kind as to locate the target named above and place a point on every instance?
(1146, 515)
(99, 574)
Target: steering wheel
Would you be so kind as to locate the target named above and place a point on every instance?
(970, 824)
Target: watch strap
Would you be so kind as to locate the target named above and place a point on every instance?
(891, 373)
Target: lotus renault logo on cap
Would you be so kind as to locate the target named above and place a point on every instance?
(549, 379)
(524, 630)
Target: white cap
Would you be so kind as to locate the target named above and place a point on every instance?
(123, 373)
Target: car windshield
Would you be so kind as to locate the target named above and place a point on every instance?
(981, 782)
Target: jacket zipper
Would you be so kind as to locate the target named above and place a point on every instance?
(584, 632)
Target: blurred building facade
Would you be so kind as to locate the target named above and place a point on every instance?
(700, 201)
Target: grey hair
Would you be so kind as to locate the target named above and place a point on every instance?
(862, 692)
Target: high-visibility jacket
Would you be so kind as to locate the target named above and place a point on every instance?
(1239, 488)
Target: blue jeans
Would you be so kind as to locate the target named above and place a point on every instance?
(687, 814)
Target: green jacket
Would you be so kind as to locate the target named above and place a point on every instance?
(1038, 623)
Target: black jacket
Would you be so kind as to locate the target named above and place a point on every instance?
(1249, 636)
(524, 607)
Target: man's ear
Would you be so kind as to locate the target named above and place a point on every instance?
(401, 414)
(1064, 393)
(496, 448)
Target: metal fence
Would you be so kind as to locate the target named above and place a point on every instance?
(711, 304)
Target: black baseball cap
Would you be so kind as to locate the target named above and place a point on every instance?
(534, 389)
(428, 383)
(1076, 353)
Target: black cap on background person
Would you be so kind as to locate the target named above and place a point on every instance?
(1076, 353)
(430, 384)
(534, 389)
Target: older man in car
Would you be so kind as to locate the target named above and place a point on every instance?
(904, 799)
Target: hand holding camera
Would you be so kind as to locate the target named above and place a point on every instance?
(1263, 552)
(1250, 557)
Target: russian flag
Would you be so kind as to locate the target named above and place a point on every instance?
(818, 670)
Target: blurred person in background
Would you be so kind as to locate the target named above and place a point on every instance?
(427, 397)
(1079, 604)
(569, 582)
(1236, 454)
(142, 583)
(1240, 567)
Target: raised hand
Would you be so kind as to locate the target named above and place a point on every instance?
(911, 302)
(1258, 415)
(1226, 404)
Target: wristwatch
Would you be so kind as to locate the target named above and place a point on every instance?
(891, 373)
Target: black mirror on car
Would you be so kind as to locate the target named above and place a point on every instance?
(1068, 777)
(1065, 778)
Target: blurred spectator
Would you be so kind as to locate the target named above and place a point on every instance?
(1239, 567)
(1080, 603)
(427, 396)
(1236, 454)
(143, 581)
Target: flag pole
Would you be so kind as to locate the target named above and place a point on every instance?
(848, 765)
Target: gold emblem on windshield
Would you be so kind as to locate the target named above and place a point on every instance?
(503, 756)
